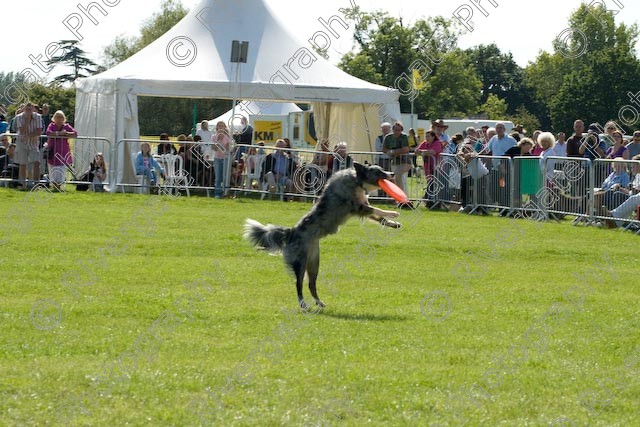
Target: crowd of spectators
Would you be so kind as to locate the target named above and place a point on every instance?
(597, 142)
(34, 146)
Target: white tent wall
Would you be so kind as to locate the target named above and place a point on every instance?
(95, 117)
(106, 112)
(279, 68)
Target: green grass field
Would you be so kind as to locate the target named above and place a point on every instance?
(152, 311)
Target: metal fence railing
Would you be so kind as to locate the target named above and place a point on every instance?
(67, 161)
(604, 191)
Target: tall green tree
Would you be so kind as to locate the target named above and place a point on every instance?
(57, 96)
(453, 91)
(495, 107)
(74, 57)
(388, 51)
(170, 13)
(589, 73)
(501, 76)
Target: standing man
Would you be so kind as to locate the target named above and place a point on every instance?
(46, 118)
(575, 141)
(634, 145)
(29, 128)
(593, 147)
(499, 178)
(46, 121)
(501, 142)
(560, 148)
(396, 146)
(383, 159)
(244, 137)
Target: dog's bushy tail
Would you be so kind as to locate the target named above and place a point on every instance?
(269, 237)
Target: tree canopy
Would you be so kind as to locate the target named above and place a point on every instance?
(588, 75)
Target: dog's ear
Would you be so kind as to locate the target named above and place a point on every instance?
(360, 169)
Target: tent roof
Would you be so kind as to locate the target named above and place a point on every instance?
(193, 60)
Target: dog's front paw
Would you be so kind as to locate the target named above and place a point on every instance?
(390, 224)
(320, 304)
(392, 214)
(303, 305)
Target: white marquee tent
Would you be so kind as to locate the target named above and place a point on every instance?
(192, 60)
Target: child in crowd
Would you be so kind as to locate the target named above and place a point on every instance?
(146, 165)
(99, 173)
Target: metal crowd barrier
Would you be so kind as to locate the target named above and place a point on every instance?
(492, 189)
(568, 187)
(532, 187)
(73, 168)
(618, 203)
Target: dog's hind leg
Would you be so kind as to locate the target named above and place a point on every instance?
(299, 267)
(313, 267)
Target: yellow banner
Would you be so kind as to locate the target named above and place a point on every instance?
(418, 83)
(267, 131)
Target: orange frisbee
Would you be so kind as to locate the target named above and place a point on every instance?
(393, 190)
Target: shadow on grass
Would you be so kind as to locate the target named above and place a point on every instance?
(363, 316)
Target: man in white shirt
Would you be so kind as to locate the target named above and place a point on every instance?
(560, 149)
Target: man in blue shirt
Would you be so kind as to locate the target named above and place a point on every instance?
(498, 146)
(501, 142)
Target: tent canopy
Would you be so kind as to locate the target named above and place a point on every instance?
(192, 60)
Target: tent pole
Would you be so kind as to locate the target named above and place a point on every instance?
(227, 172)
(327, 122)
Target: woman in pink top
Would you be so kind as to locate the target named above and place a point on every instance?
(221, 145)
(430, 150)
(59, 157)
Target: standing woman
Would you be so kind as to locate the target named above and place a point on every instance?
(618, 149)
(221, 141)
(59, 157)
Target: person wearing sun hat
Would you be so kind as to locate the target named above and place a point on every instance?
(520, 129)
(439, 127)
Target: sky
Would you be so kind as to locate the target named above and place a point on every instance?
(522, 27)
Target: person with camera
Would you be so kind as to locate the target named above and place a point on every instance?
(592, 147)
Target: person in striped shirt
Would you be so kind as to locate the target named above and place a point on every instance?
(29, 129)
